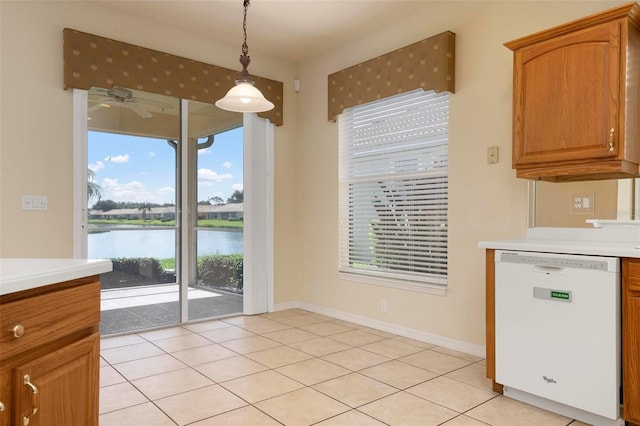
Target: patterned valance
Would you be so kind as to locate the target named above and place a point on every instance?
(93, 61)
(428, 64)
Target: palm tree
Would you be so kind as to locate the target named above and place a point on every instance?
(145, 207)
(94, 192)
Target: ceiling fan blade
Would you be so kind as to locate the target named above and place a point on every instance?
(133, 106)
(94, 107)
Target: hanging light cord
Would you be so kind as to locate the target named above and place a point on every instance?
(244, 58)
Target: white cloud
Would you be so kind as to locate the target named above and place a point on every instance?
(152, 154)
(209, 176)
(134, 191)
(237, 187)
(167, 190)
(205, 151)
(97, 166)
(227, 164)
(118, 158)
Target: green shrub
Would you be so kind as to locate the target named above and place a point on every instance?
(148, 267)
(221, 270)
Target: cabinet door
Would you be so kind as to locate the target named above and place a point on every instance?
(566, 97)
(61, 388)
(5, 395)
(631, 340)
(631, 360)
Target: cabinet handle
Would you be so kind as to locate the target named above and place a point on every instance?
(611, 133)
(17, 330)
(1, 406)
(35, 399)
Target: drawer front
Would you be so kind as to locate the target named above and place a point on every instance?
(47, 317)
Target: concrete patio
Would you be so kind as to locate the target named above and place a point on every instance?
(150, 306)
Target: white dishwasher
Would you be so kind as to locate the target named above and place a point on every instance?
(557, 331)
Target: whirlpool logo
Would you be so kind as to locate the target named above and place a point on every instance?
(549, 379)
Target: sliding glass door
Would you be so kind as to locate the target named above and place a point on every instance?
(163, 180)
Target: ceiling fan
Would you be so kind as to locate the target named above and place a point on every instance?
(119, 97)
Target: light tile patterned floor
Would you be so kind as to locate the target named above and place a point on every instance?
(297, 368)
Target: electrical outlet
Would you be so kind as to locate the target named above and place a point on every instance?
(582, 202)
(383, 305)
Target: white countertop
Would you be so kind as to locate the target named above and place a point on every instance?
(622, 241)
(24, 274)
(596, 248)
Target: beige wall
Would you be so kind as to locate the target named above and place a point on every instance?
(553, 203)
(486, 201)
(36, 119)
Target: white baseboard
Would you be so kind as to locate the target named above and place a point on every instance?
(285, 306)
(434, 339)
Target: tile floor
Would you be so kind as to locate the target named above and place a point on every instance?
(297, 368)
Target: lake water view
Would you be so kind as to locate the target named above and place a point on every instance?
(159, 243)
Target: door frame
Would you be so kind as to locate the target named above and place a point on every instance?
(258, 205)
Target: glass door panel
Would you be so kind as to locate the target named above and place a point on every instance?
(133, 160)
(217, 138)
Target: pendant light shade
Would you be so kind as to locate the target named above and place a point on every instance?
(244, 96)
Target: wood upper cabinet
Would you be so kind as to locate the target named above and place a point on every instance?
(575, 99)
(49, 355)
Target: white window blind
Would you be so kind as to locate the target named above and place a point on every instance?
(394, 188)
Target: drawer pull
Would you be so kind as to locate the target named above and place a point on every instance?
(35, 399)
(18, 330)
(1, 406)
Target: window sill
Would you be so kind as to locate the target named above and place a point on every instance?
(428, 288)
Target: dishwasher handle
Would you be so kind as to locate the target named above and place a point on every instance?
(549, 269)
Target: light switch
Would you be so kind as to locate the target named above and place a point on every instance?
(492, 155)
(34, 202)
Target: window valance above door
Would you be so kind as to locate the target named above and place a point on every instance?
(428, 64)
(93, 61)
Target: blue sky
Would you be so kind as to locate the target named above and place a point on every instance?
(138, 169)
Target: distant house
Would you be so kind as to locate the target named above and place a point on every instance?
(116, 214)
(232, 211)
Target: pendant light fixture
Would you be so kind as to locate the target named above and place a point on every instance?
(244, 96)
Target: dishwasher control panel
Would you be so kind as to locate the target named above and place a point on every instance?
(559, 261)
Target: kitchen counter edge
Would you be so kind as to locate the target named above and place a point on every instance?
(18, 274)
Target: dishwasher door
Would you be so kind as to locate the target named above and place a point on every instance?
(557, 328)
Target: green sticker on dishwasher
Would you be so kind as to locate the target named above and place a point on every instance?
(552, 295)
(560, 295)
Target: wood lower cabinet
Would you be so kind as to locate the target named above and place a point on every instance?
(631, 339)
(49, 355)
(576, 100)
(630, 334)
